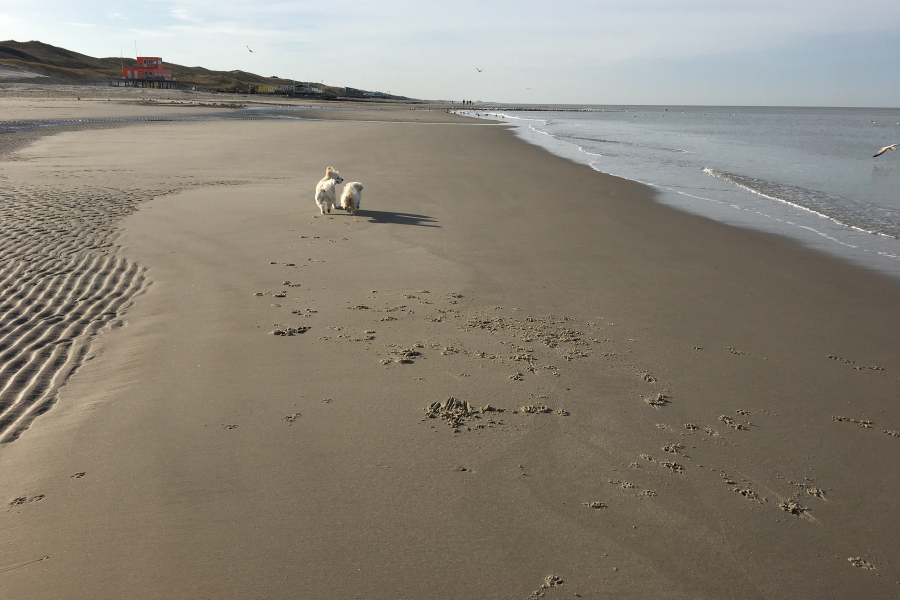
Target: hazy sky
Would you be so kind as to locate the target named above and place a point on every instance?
(813, 52)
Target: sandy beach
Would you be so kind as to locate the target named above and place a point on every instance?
(508, 376)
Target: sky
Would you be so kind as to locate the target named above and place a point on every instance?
(663, 52)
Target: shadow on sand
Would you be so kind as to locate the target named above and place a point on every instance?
(397, 218)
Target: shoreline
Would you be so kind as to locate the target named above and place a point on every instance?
(488, 270)
(825, 231)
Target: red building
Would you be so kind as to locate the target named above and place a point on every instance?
(149, 68)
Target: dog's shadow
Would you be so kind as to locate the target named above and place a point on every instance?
(397, 218)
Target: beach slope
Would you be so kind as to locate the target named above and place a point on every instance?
(507, 376)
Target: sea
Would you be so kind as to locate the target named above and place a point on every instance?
(804, 173)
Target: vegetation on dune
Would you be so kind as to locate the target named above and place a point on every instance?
(62, 64)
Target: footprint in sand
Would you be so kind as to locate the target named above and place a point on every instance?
(860, 563)
(291, 418)
(672, 466)
(458, 414)
(817, 492)
(734, 424)
(289, 331)
(658, 400)
(793, 507)
(863, 423)
(404, 357)
(646, 376)
(551, 581)
(21, 500)
(840, 359)
(536, 409)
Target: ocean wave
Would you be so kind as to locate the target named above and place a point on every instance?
(605, 141)
(561, 137)
(843, 211)
(499, 114)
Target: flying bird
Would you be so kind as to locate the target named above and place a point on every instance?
(885, 149)
(477, 69)
(248, 48)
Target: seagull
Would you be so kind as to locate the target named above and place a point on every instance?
(248, 48)
(477, 69)
(885, 149)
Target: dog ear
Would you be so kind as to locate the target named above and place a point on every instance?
(328, 171)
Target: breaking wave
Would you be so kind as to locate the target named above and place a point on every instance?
(843, 211)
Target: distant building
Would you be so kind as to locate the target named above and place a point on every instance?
(274, 89)
(355, 93)
(149, 68)
(306, 88)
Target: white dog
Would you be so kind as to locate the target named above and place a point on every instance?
(350, 198)
(325, 196)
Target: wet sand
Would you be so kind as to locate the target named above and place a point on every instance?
(508, 376)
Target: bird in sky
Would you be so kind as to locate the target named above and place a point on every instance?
(477, 69)
(248, 48)
(885, 149)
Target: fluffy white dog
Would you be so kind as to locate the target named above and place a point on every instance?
(351, 196)
(325, 196)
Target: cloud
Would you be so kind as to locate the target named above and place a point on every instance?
(183, 15)
(222, 30)
(10, 23)
(607, 32)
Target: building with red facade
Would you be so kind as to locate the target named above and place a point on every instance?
(149, 68)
